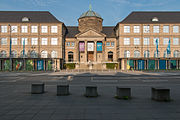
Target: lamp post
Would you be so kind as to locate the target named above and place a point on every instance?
(10, 45)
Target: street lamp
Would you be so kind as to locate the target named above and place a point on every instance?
(10, 45)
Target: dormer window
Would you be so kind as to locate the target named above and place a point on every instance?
(155, 19)
(25, 19)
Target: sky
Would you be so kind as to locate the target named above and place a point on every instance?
(68, 11)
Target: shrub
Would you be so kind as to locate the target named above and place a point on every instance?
(70, 66)
(111, 65)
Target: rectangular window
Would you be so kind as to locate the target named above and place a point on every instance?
(67, 43)
(14, 29)
(24, 29)
(156, 29)
(54, 41)
(156, 39)
(126, 41)
(14, 41)
(165, 41)
(34, 41)
(44, 29)
(146, 41)
(166, 29)
(24, 41)
(136, 41)
(72, 44)
(3, 41)
(175, 41)
(112, 44)
(4, 29)
(107, 43)
(44, 41)
(136, 29)
(126, 29)
(54, 29)
(146, 29)
(175, 29)
(34, 29)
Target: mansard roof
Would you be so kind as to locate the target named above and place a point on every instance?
(33, 16)
(147, 17)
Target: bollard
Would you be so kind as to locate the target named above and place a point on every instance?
(160, 94)
(62, 90)
(123, 92)
(37, 88)
(91, 91)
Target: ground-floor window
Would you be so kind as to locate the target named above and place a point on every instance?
(110, 56)
(176, 54)
(33, 54)
(136, 54)
(126, 54)
(146, 54)
(3, 54)
(70, 56)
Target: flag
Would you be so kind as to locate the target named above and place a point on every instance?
(169, 47)
(157, 46)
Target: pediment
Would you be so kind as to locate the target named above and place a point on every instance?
(90, 33)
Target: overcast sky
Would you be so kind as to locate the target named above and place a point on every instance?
(68, 11)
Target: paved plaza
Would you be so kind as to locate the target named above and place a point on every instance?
(17, 102)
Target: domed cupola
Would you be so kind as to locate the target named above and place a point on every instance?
(90, 20)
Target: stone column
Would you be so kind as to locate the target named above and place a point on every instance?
(85, 52)
(95, 51)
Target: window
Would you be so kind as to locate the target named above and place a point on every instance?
(23, 55)
(146, 41)
(54, 29)
(24, 41)
(110, 56)
(54, 54)
(54, 41)
(14, 29)
(126, 54)
(70, 56)
(136, 29)
(112, 44)
(136, 41)
(72, 44)
(175, 41)
(166, 29)
(175, 29)
(165, 54)
(126, 29)
(176, 54)
(107, 43)
(44, 29)
(157, 54)
(146, 54)
(44, 54)
(126, 41)
(156, 29)
(156, 40)
(68, 44)
(155, 19)
(165, 41)
(44, 41)
(136, 54)
(25, 19)
(33, 54)
(146, 29)
(4, 29)
(34, 29)
(14, 41)
(14, 54)
(3, 54)
(24, 29)
(34, 41)
(3, 41)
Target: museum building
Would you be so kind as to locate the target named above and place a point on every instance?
(34, 40)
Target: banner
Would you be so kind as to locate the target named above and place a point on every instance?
(29, 65)
(19, 65)
(49, 65)
(6, 65)
(99, 46)
(81, 46)
(40, 65)
(90, 46)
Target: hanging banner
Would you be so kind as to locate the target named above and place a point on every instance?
(29, 65)
(81, 46)
(90, 46)
(40, 65)
(99, 46)
(19, 65)
(6, 65)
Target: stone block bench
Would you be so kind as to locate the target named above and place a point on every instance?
(91, 91)
(37, 88)
(123, 92)
(62, 90)
(160, 94)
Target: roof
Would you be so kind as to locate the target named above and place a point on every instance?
(73, 30)
(33, 16)
(90, 13)
(146, 17)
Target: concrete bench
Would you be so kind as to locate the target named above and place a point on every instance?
(91, 91)
(123, 92)
(62, 90)
(37, 88)
(160, 94)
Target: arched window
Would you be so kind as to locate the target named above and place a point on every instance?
(156, 55)
(25, 54)
(54, 54)
(176, 54)
(146, 54)
(136, 54)
(33, 54)
(165, 54)
(3, 54)
(110, 56)
(44, 54)
(14, 54)
(126, 54)
(70, 56)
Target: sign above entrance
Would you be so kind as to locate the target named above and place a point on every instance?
(90, 46)
(81, 46)
(99, 46)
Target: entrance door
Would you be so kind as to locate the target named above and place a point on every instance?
(90, 56)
